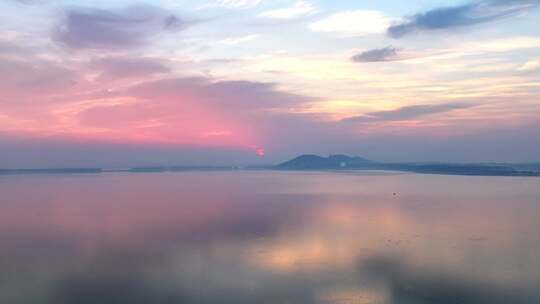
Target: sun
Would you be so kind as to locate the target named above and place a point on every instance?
(260, 152)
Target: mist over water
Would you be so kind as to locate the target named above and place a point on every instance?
(269, 237)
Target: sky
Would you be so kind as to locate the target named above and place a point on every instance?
(183, 82)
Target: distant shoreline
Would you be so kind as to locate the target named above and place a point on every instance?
(315, 163)
(91, 171)
(123, 170)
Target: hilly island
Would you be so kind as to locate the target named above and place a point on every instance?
(344, 162)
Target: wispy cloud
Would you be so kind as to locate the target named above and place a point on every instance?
(532, 65)
(134, 26)
(298, 10)
(353, 23)
(407, 113)
(38, 77)
(125, 67)
(238, 40)
(236, 3)
(469, 14)
(29, 1)
(388, 53)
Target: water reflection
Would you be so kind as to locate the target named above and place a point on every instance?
(267, 237)
(418, 285)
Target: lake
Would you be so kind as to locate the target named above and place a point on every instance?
(269, 237)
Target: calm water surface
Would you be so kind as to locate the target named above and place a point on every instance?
(269, 237)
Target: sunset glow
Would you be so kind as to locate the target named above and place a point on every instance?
(269, 151)
(371, 79)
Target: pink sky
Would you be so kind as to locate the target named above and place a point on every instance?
(226, 79)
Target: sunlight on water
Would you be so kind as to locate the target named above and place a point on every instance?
(269, 237)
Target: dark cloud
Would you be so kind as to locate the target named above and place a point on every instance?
(377, 55)
(406, 113)
(125, 67)
(103, 29)
(461, 16)
(228, 94)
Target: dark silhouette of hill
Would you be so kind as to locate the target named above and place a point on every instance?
(306, 162)
(344, 162)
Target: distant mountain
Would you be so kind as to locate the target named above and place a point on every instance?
(344, 162)
(309, 162)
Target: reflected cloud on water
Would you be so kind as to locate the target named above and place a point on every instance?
(407, 284)
(290, 241)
